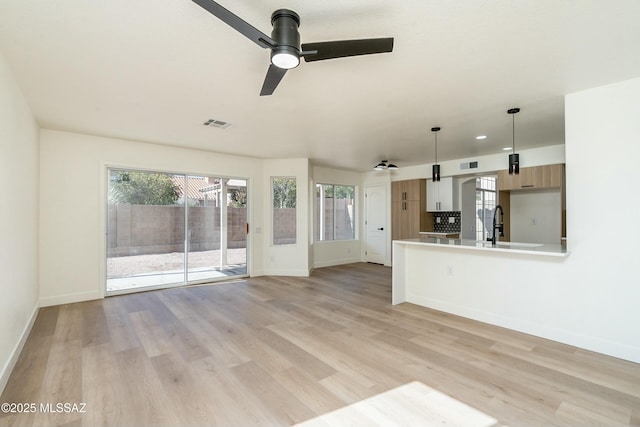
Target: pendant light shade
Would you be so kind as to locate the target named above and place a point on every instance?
(435, 172)
(514, 158)
(514, 164)
(435, 169)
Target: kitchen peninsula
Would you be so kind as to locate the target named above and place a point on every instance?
(502, 285)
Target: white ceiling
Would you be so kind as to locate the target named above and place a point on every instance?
(155, 70)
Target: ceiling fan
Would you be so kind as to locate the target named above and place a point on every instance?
(285, 46)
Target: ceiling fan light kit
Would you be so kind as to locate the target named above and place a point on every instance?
(285, 46)
(285, 57)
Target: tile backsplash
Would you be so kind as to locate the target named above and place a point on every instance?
(443, 224)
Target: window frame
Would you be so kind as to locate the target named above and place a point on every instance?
(273, 216)
(485, 184)
(318, 236)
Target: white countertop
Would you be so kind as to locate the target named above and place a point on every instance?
(510, 247)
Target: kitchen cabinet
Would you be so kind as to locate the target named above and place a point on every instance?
(441, 195)
(532, 178)
(412, 189)
(408, 209)
(547, 177)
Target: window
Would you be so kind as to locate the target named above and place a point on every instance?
(335, 212)
(485, 205)
(283, 195)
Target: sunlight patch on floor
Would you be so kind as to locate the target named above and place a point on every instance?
(412, 404)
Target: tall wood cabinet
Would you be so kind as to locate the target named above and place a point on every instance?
(408, 209)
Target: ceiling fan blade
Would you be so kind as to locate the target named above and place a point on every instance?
(344, 48)
(274, 75)
(237, 23)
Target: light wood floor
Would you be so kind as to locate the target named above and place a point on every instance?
(281, 351)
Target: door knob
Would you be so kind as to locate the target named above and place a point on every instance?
(380, 228)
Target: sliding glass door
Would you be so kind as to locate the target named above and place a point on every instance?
(173, 229)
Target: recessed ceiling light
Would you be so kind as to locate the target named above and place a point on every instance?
(507, 149)
(481, 137)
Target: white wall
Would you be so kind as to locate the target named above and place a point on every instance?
(295, 259)
(337, 252)
(589, 299)
(18, 221)
(536, 216)
(73, 204)
(602, 149)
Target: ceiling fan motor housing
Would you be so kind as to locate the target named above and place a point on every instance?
(285, 29)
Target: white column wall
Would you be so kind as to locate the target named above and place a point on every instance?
(295, 259)
(19, 135)
(603, 224)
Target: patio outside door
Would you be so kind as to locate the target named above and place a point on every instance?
(217, 228)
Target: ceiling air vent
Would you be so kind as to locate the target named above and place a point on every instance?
(469, 165)
(217, 124)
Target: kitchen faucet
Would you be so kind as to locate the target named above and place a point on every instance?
(500, 226)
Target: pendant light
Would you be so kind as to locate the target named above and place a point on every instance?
(435, 169)
(514, 158)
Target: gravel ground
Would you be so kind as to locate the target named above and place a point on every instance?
(140, 264)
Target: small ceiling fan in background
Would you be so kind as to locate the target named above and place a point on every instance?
(285, 46)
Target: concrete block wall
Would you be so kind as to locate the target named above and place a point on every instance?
(151, 229)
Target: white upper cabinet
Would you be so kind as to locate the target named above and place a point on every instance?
(441, 195)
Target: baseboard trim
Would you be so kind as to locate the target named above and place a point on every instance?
(340, 261)
(282, 272)
(591, 343)
(7, 369)
(69, 298)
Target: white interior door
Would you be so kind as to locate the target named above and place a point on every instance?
(375, 223)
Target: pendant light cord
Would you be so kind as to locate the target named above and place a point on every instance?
(513, 128)
(436, 147)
